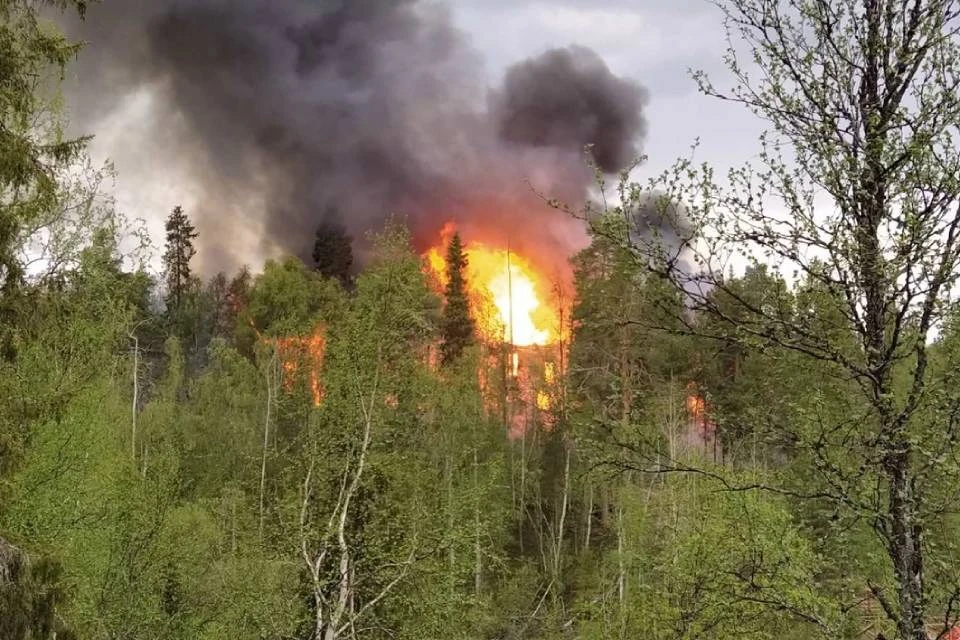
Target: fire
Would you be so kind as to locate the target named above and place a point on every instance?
(543, 400)
(508, 295)
(696, 406)
(699, 412)
(297, 351)
(549, 372)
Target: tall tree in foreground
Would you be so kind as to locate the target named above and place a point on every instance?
(33, 149)
(857, 191)
(456, 325)
(33, 152)
(366, 483)
(176, 258)
(332, 250)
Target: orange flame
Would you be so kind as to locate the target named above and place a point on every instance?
(698, 411)
(509, 297)
(296, 351)
(696, 407)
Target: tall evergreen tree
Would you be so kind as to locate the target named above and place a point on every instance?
(176, 258)
(332, 252)
(32, 145)
(33, 148)
(456, 325)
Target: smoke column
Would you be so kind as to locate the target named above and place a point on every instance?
(289, 111)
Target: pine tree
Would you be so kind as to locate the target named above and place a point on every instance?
(456, 325)
(176, 258)
(332, 252)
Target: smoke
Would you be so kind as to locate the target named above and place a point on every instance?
(662, 232)
(282, 112)
(655, 218)
(567, 98)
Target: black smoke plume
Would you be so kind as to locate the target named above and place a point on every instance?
(284, 110)
(568, 97)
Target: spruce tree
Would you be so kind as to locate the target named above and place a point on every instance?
(456, 325)
(176, 258)
(332, 252)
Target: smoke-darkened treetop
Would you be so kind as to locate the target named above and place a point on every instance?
(283, 110)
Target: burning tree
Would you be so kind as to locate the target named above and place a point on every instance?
(456, 325)
(370, 381)
(856, 192)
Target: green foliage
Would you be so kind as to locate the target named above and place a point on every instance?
(29, 597)
(289, 298)
(277, 455)
(33, 149)
(696, 562)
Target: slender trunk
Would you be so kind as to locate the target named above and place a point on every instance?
(318, 608)
(136, 396)
(266, 441)
(353, 607)
(478, 556)
(448, 480)
(904, 529)
(505, 400)
(523, 484)
(621, 564)
(345, 591)
(558, 552)
(589, 524)
(343, 598)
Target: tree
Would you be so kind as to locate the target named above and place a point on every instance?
(33, 150)
(456, 324)
(332, 250)
(29, 596)
(176, 258)
(857, 192)
(32, 147)
(362, 523)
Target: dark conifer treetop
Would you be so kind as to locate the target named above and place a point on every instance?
(176, 258)
(332, 251)
(456, 325)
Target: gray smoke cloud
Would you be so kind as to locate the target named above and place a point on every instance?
(287, 111)
(568, 97)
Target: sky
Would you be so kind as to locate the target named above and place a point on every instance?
(655, 42)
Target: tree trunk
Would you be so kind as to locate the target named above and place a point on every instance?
(905, 547)
(477, 550)
(266, 441)
(136, 395)
(589, 524)
(558, 550)
(621, 564)
(448, 481)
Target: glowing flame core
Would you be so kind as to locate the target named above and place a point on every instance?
(507, 294)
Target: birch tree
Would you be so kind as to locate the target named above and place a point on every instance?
(360, 521)
(855, 191)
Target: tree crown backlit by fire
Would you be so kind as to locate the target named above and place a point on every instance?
(510, 298)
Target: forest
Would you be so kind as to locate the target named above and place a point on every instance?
(732, 415)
